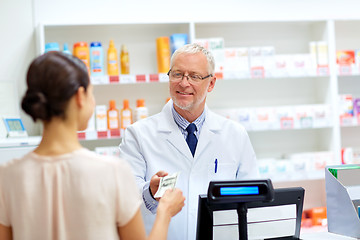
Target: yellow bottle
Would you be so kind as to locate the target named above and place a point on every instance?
(163, 54)
(124, 60)
(112, 60)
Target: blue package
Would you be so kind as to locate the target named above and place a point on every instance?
(96, 59)
(52, 46)
(178, 40)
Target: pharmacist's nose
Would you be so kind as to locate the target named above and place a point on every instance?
(184, 81)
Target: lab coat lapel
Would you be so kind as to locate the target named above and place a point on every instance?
(173, 135)
(208, 133)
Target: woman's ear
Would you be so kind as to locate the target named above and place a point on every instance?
(80, 96)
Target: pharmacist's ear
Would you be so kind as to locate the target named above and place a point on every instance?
(80, 97)
(211, 84)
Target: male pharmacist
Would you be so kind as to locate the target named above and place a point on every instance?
(188, 138)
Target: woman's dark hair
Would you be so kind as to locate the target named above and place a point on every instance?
(52, 79)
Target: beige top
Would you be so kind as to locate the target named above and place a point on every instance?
(79, 195)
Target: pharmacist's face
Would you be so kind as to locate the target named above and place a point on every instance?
(188, 95)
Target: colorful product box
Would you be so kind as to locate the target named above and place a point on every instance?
(178, 40)
(245, 117)
(261, 61)
(304, 116)
(357, 61)
(281, 65)
(319, 57)
(356, 106)
(346, 105)
(216, 46)
(267, 167)
(322, 54)
(236, 64)
(345, 60)
(264, 119)
(322, 115)
(285, 117)
(313, 56)
(100, 117)
(300, 65)
(346, 110)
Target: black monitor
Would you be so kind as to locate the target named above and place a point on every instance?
(277, 219)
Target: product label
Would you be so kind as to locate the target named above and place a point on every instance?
(113, 123)
(112, 114)
(113, 120)
(126, 119)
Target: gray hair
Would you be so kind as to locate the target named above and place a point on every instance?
(192, 49)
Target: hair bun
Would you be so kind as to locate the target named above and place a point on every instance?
(35, 104)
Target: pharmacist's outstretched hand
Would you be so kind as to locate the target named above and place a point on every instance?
(155, 181)
(171, 202)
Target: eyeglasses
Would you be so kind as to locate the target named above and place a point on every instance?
(177, 76)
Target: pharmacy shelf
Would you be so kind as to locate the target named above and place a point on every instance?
(287, 37)
(99, 135)
(348, 39)
(129, 79)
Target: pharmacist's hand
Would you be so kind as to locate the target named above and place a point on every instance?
(171, 202)
(155, 181)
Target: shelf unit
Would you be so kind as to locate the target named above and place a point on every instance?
(288, 37)
(347, 38)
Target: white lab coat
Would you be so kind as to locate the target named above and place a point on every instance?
(156, 143)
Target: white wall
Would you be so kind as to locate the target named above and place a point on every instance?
(70, 11)
(17, 42)
(18, 19)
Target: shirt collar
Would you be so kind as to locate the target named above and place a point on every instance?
(183, 123)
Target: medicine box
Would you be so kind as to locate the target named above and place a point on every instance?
(216, 46)
(101, 119)
(236, 63)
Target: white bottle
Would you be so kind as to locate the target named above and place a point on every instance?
(140, 111)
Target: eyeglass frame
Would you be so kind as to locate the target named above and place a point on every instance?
(188, 77)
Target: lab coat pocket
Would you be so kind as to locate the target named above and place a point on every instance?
(221, 171)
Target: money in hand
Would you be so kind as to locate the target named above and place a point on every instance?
(167, 182)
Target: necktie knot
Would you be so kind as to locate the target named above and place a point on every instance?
(191, 138)
(191, 128)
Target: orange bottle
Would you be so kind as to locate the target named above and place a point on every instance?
(81, 51)
(113, 116)
(125, 115)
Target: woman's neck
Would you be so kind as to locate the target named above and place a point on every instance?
(59, 137)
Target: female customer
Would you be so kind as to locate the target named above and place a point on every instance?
(62, 190)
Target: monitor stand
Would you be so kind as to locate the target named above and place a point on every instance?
(242, 221)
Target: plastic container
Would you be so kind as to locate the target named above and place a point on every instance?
(113, 116)
(96, 59)
(140, 111)
(112, 60)
(124, 60)
(51, 47)
(66, 49)
(178, 40)
(125, 115)
(163, 54)
(81, 50)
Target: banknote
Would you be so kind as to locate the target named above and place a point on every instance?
(167, 182)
